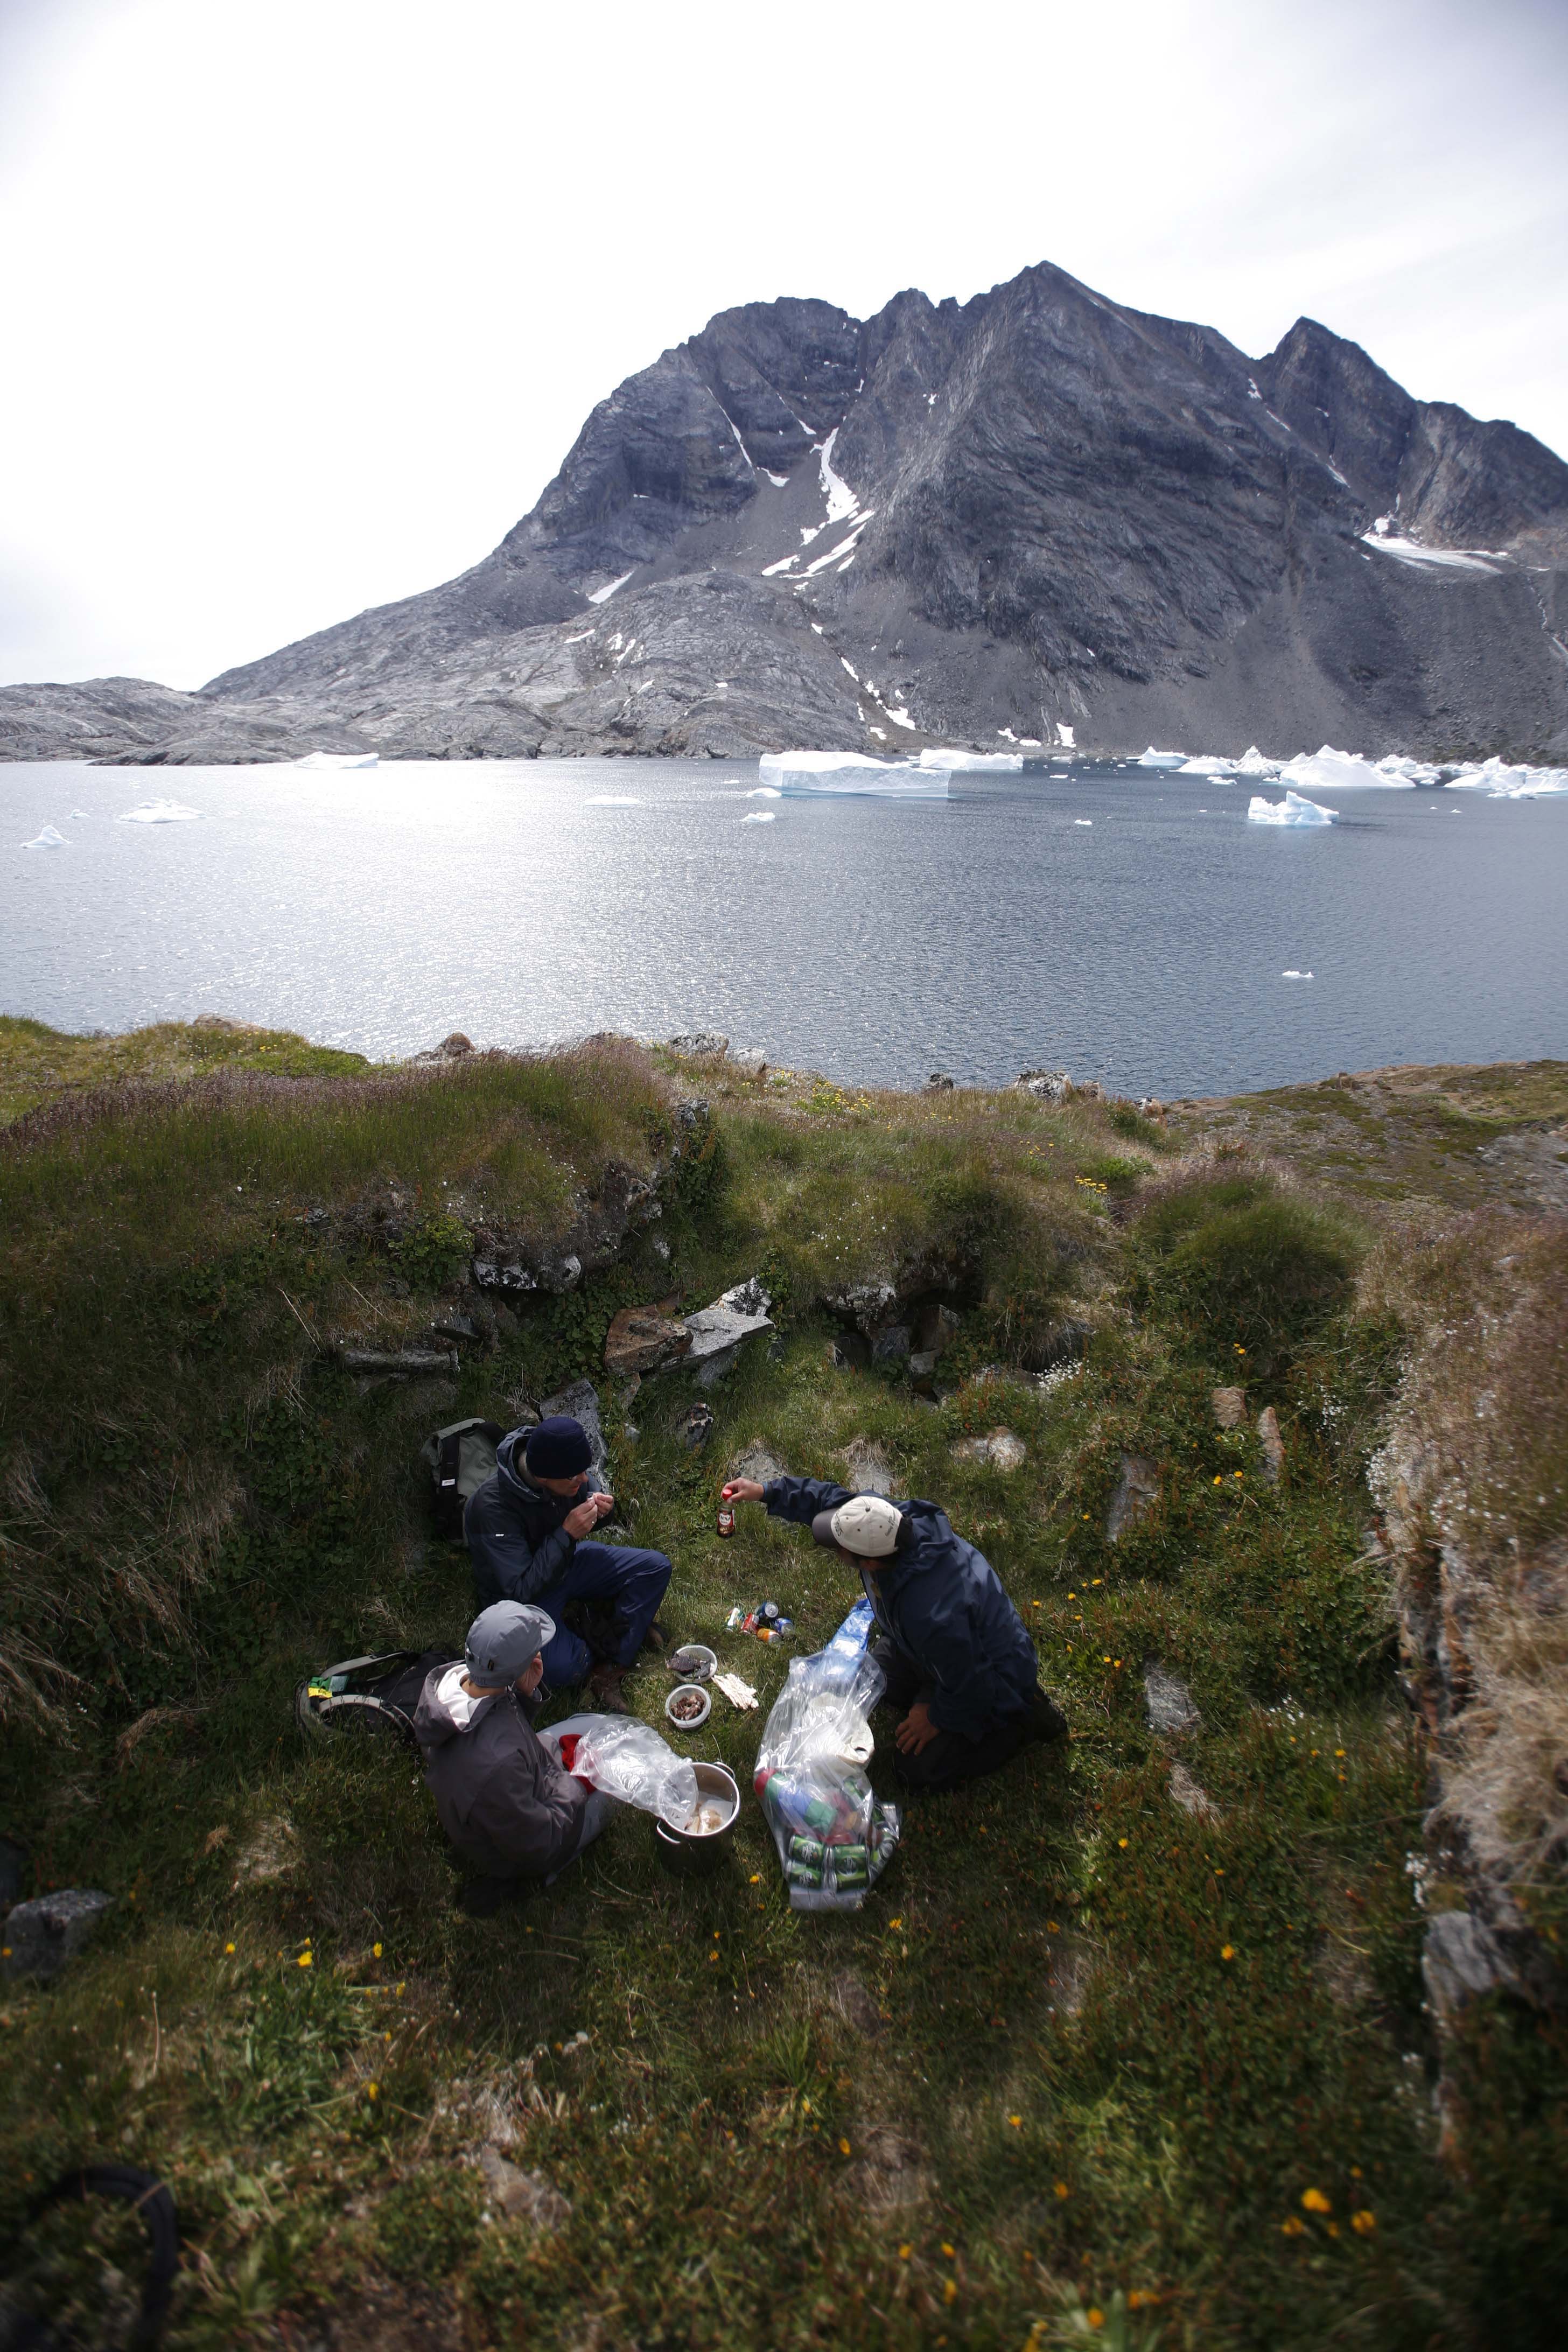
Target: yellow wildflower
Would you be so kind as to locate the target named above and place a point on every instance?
(1094, 2316)
(1363, 2223)
(304, 1959)
(1228, 1951)
(949, 2290)
(1016, 2122)
(228, 1947)
(376, 1951)
(1314, 2201)
(904, 2252)
(844, 2147)
(1062, 2188)
(1293, 2226)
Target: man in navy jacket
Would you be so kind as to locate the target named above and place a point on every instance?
(961, 1669)
(527, 1531)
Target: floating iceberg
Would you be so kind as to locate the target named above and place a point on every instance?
(801, 775)
(762, 793)
(1000, 763)
(159, 812)
(1153, 759)
(1291, 810)
(1329, 770)
(1206, 767)
(340, 760)
(1065, 737)
(1253, 763)
(1505, 784)
(1083, 819)
(47, 839)
(1295, 975)
(79, 813)
(1399, 770)
(759, 816)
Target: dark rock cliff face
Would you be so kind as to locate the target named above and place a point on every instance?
(1039, 507)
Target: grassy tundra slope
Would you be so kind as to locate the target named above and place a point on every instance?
(1130, 2045)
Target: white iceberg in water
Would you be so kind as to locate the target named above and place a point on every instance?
(1505, 784)
(1397, 769)
(1295, 975)
(759, 816)
(1153, 759)
(1253, 763)
(1206, 767)
(1329, 770)
(1065, 736)
(1001, 764)
(1291, 810)
(340, 760)
(47, 839)
(159, 812)
(802, 774)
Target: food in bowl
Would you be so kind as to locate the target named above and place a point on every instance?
(707, 1820)
(686, 1706)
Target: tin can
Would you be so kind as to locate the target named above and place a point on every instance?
(808, 1850)
(802, 1873)
(735, 1621)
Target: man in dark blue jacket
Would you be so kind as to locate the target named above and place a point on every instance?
(960, 1670)
(527, 1530)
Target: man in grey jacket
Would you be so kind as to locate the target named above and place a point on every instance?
(500, 1796)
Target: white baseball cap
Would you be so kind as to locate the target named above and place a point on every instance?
(867, 1524)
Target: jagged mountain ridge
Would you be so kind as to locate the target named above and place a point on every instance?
(1035, 508)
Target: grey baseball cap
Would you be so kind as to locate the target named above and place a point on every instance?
(504, 1638)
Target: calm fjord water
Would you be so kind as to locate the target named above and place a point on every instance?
(521, 901)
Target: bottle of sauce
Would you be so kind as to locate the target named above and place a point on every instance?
(726, 1519)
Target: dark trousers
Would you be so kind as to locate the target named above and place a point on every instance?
(632, 1581)
(948, 1759)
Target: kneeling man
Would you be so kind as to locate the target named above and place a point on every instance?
(961, 1669)
(528, 1530)
(501, 1794)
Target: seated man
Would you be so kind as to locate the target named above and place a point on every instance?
(960, 1670)
(526, 1528)
(501, 1794)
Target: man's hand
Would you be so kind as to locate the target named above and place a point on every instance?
(743, 1490)
(917, 1729)
(588, 1513)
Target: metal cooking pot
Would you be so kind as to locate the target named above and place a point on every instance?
(688, 1853)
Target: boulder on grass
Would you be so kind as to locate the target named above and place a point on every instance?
(641, 1340)
(39, 1938)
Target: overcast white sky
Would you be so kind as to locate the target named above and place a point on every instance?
(308, 299)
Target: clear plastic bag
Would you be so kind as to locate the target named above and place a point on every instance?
(631, 1763)
(834, 1837)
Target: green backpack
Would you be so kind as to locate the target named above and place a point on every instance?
(460, 1458)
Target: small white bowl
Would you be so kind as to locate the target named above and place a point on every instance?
(688, 1722)
(705, 1661)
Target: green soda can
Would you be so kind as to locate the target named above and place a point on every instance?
(851, 1865)
(801, 1874)
(808, 1850)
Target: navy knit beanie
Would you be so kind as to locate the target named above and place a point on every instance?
(557, 1448)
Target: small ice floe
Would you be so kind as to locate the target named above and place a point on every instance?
(1295, 975)
(81, 814)
(1083, 819)
(159, 812)
(1398, 769)
(1002, 763)
(1153, 759)
(1291, 810)
(611, 800)
(1202, 766)
(329, 759)
(47, 838)
(1064, 736)
(762, 793)
(759, 816)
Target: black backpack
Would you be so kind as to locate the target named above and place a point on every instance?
(367, 1697)
(460, 1458)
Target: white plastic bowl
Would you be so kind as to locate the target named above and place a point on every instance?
(688, 1722)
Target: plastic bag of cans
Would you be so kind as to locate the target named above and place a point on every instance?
(834, 1837)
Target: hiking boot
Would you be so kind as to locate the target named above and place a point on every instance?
(604, 1689)
(656, 1637)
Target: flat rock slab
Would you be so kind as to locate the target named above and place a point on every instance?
(41, 1937)
(641, 1340)
(1229, 1407)
(717, 1332)
(1137, 1491)
(1170, 1703)
(754, 1461)
(1000, 1449)
(1273, 1445)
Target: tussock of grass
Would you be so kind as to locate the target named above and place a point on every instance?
(1085, 2052)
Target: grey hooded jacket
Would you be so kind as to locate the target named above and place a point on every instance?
(501, 1798)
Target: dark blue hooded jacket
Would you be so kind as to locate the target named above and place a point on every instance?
(941, 1603)
(515, 1537)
